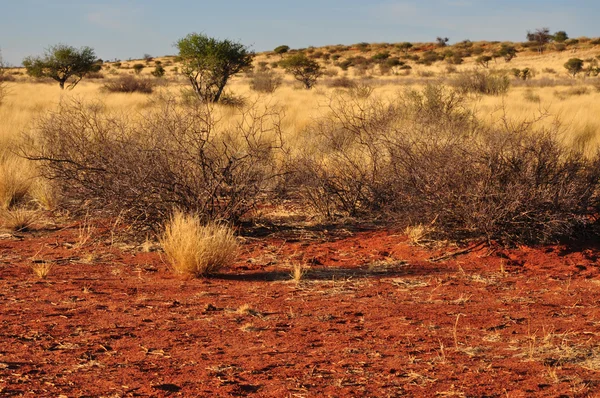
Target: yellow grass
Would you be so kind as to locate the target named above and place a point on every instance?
(19, 219)
(196, 249)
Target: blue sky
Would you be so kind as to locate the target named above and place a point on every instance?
(130, 28)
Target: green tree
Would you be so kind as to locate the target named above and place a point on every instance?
(508, 52)
(405, 47)
(281, 50)
(158, 71)
(304, 69)
(209, 63)
(63, 63)
(574, 66)
(561, 36)
(138, 68)
(484, 60)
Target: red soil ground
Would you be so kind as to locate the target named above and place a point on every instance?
(372, 317)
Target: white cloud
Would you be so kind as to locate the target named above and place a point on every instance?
(114, 18)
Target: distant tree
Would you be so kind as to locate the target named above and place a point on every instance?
(540, 37)
(574, 66)
(508, 52)
(158, 71)
(561, 36)
(209, 63)
(281, 50)
(304, 69)
(405, 47)
(147, 57)
(442, 41)
(137, 68)
(484, 60)
(63, 63)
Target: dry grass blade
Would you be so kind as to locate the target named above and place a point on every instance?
(298, 272)
(196, 249)
(19, 219)
(15, 180)
(41, 269)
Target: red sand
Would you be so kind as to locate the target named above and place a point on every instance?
(373, 317)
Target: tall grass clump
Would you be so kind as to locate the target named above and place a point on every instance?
(195, 248)
(424, 156)
(16, 177)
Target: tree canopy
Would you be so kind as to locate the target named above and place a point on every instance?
(63, 63)
(209, 63)
(303, 69)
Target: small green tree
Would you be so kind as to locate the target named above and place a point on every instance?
(561, 36)
(158, 71)
(138, 68)
(281, 50)
(304, 69)
(63, 63)
(574, 66)
(209, 63)
(484, 60)
(508, 52)
(405, 47)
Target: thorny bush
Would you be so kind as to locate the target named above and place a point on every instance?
(423, 157)
(173, 156)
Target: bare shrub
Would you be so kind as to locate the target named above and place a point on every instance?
(129, 84)
(173, 156)
(423, 156)
(265, 81)
(196, 249)
(479, 82)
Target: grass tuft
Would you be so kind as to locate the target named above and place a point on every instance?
(196, 249)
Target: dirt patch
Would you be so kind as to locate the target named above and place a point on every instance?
(371, 316)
